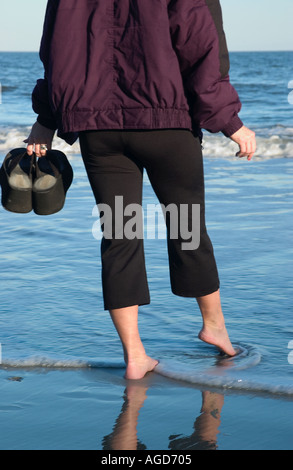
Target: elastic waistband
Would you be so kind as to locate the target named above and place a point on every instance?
(136, 118)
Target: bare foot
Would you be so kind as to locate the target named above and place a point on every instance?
(137, 369)
(217, 337)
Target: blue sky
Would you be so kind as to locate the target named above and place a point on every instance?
(249, 24)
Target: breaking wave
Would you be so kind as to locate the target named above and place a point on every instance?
(13, 137)
(274, 142)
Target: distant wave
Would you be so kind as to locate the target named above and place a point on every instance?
(275, 142)
(13, 137)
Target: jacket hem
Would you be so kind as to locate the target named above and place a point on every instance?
(137, 118)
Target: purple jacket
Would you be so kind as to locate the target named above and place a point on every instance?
(135, 64)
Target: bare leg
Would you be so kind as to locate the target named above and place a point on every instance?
(124, 436)
(214, 330)
(136, 359)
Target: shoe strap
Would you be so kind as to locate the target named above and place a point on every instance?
(14, 161)
(52, 167)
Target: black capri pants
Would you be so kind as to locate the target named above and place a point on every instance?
(115, 162)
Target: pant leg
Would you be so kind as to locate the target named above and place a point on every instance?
(111, 173)
(174, 162)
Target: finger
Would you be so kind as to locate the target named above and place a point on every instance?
(30, 149)
(249, 152)
(246, 149)
(252, 149)
(254, 146)
(242, 153)
(38, 150)
(250, 155)
(43, 150)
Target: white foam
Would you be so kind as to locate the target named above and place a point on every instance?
(37, 362)
(225, 382)
(223, 373)
(227, 374)
(274, 142)
(13, 138)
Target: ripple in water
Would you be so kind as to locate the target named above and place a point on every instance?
(213, 371)
(225, 373)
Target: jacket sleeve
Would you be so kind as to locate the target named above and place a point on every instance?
(199, 41)
(40, 96)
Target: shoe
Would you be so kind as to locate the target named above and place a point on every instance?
(53, 178)
(16, 179)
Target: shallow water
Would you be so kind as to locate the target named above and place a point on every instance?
(51, 299)
(96, 409)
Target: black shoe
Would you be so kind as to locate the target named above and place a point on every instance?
(16, 179)
(53, 178)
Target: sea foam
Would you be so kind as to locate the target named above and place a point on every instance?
(275, 142)
(222, 373)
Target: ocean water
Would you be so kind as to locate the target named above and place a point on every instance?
(51, 306)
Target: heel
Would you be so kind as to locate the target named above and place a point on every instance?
(50, 201)
(13, 199)
(16, 177)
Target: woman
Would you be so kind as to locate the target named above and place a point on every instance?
(136, 81)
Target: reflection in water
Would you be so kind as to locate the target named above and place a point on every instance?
(124, 435)
(206, 426)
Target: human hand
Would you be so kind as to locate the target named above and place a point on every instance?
(245, 138)
(39, 136)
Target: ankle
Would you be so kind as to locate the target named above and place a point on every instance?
(215, 324)
(214, 318)
(211, 310)
(134, 356)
